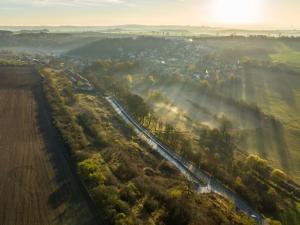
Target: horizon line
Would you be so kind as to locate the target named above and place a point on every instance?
(225, 27)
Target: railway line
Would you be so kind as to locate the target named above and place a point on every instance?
(205, 182)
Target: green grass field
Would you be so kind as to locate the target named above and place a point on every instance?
(278, 94)
(289, 57)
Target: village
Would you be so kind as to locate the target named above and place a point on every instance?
(184, 57)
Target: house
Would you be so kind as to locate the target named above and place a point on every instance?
(196, 76)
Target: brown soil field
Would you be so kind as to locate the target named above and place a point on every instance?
(38, 185)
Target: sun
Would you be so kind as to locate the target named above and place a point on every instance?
(238, 11)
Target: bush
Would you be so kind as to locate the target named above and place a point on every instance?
(168, 169)
(63, 120)
(258, 164)
(91, 173)
(125, 171)
(89, 124)
(129, 193)
(151, 205)
(278, 176)
(122, 219)
(108, 201)
(180, 212)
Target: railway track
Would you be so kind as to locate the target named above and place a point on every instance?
(206, 183)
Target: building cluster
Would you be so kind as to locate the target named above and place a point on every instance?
(184, 57)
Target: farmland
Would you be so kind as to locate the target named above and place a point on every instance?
(212, 104)
(36, 183)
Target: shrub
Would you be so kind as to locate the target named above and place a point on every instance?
(125, 171)
(258, 164)
(91, 172)
(129, 193)
(151, 205)
(278, 176)
(180, 212)
(89, 124)
(167, 168)
(122, 219)
(108, 201)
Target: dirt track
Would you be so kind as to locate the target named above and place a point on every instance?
(37, 186)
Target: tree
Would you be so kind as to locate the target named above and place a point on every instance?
(137, 106)
(218, 141)
(180, 211)
(278, 176)
(258, 164)
(129, 193)
(186, 148)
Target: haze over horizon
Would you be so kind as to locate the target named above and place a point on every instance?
(279, 14)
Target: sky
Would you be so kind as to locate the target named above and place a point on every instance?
(235, 13)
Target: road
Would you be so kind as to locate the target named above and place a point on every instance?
(206, 183)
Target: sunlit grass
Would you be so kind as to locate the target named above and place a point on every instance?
(277, 94)
(291, 58)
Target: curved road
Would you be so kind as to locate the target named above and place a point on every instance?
(206, 182)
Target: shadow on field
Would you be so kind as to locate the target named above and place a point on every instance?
(60, 196)
(79, 208)
(280, 144)
(260, 142)
(286, 93)
(270, 136)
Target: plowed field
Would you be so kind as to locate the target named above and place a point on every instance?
(37, 185)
